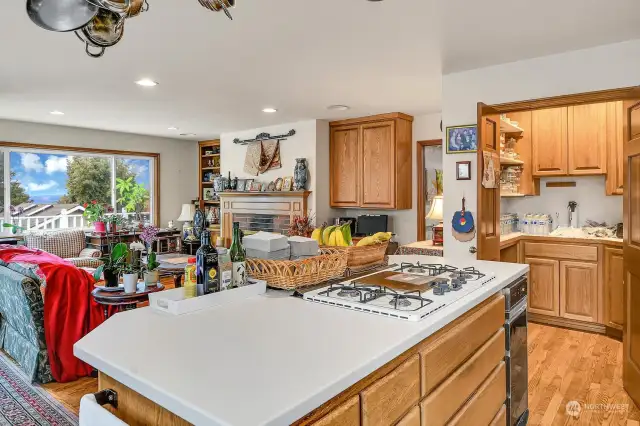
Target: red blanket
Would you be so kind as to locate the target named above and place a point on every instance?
(69, 309)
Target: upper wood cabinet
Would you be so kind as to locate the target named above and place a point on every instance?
(371, 162)
(549, 141)
(587, 137)
(613, 288)
(345, 166)
(615, 144)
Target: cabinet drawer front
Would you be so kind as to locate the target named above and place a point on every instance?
(445, 354)
(561, 251)
(484, 404)
(447, 399)
(412, 418)
(387, 399)
(501, 418)
(347, 414)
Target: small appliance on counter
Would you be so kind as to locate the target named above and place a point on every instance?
(573, 214)
(370, 224)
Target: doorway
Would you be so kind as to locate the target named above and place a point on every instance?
(429, 168)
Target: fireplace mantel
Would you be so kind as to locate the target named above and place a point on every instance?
(267, 211)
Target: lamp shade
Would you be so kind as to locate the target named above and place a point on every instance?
(188, 210)
(437, 208)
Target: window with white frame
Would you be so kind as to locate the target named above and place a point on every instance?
(48, 189)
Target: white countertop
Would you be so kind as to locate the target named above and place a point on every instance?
(267, 360)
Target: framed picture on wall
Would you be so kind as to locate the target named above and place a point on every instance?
(463, 170)
(462, 139)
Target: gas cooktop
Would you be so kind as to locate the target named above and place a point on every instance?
(411, 292)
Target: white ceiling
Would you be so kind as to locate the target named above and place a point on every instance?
(296, 55)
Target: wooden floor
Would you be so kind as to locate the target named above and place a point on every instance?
(567, 365)
(564, 365)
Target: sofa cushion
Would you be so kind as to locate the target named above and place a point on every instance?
(63, 243)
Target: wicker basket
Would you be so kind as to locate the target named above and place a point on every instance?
(293, 274)
(359, 258)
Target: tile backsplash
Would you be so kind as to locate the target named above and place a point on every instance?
(589, 193)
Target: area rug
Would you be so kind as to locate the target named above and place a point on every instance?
(26, 404)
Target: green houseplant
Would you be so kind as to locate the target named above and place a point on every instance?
(96, 214)
(112, 265)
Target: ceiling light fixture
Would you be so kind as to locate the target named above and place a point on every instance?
(146, 82)
(269, 110)
(187, 134)
(172, 128)
(56, 112)
(337, 107)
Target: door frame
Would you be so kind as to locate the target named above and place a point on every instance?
(422, 229)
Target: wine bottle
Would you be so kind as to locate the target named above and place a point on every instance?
(238, 259)
(207, 278)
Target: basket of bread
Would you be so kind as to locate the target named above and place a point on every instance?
(367, 253)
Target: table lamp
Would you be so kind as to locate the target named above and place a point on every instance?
(436, 213)
(186, 216)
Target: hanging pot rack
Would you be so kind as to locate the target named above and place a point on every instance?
(262, 137)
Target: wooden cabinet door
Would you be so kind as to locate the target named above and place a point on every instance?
(613, 287)
(412, 418)
(344, 166)
(347, 414)
(378, 164)
(615, 145)
(549, 141)
(579, 290)
(587, 136)
(544, 286)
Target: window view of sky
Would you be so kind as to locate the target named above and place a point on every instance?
(44, 176)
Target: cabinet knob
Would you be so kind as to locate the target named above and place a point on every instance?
(473, 250)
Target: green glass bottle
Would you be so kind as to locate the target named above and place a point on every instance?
(238, 259)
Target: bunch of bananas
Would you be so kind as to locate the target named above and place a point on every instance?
(379, 238)
(336, 236)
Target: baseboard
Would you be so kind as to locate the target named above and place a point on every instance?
(568, 323)
(614, 333)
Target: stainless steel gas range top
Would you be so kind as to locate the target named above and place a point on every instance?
(409, 292)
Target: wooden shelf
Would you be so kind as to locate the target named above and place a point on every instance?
(211, 202)
(211, 168)
(507, 127)
(265, 194)
(507, 195)
(210, 155)
(510, 162)
(207, 183)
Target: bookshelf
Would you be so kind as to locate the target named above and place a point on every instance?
(209, 157)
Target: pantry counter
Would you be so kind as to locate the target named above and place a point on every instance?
(515, 237)
(268, 360)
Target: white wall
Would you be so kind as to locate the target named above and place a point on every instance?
(405, 222)
(589, 193)
(604, 67)
(178, 158)
(311, 141)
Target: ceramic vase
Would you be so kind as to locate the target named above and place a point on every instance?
(300, 175)
(151, 277)
(99, 227)
(130, 282)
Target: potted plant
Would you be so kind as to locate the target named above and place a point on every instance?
(113, 223)
(96, 214)
(130, 273)
(149, 235)
(112, 264)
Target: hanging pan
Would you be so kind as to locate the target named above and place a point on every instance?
(105, 30)
(61, 15)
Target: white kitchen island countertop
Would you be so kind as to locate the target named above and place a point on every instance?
(267, 360)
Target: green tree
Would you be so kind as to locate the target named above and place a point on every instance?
(18, 192)
(133, 195)
(89, 178)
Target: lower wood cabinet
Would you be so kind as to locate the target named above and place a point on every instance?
(347, 414)
(579, 291)
(544, 286)
(412, 418)
(613, 288)
(501, 418)
(384, 402)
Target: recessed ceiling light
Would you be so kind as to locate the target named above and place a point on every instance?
(187, 134)
(337, 107)
(172, 128)
(146, 82)
(56, 112)
(269, 110)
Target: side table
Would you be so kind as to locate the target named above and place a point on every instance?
(124, 301)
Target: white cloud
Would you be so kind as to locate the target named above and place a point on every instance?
(56, 164)
(31, 162)
(36, 187)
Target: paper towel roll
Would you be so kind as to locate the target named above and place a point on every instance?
(93, 414)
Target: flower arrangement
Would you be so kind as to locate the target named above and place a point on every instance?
(301, 226)
(148, 236)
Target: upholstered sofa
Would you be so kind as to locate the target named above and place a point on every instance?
(69, 244)
(22, 321)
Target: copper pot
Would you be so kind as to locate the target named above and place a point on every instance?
(105, 30)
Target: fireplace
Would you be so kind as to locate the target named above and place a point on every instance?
(261, 211)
